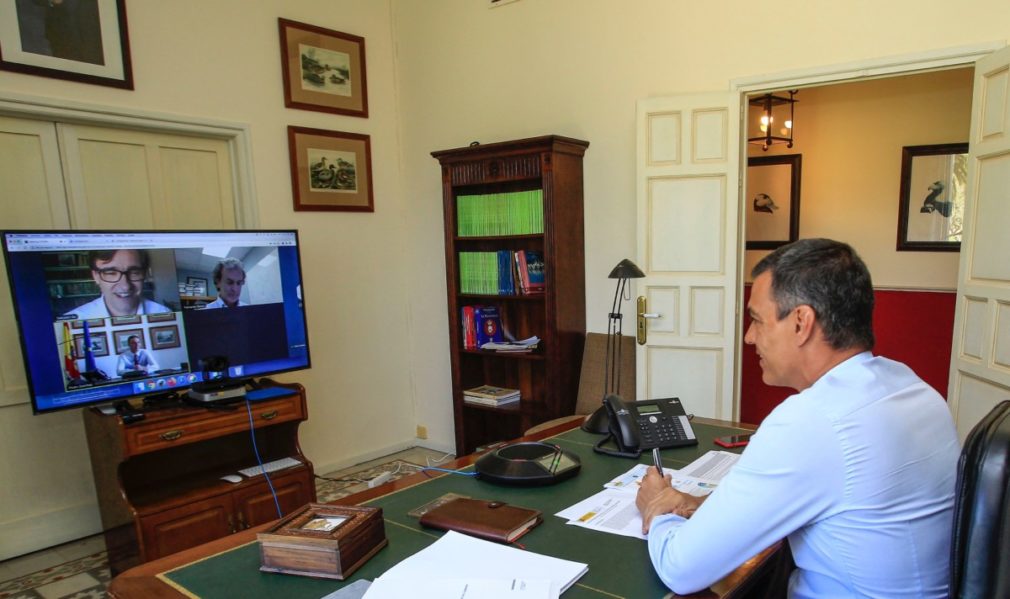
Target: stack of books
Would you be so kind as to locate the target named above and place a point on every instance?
(503, 272)
(523, 346)
(489, 395)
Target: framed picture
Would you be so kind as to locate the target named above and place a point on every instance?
(132, 319)
(323, 69)
(773, 201)
(330, 170)
(93, 323)
(164, 337)
(931, 199)
(99, 344)
(197, 285)
(122, 339)
(76, 40)
(161, 317)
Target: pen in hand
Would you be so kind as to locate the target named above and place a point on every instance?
(656, 460)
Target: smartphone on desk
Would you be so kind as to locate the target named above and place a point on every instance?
(733, 440)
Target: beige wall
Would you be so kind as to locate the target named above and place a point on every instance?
(577, 67)
(850, 136)
(442, 73)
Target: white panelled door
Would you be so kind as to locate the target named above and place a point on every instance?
(31, 197)
(688, 156)
(980, 356)
(120, 179)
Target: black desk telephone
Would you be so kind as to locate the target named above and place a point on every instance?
(641, 425)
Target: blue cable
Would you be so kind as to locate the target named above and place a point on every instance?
(259, 460)
(449, 471)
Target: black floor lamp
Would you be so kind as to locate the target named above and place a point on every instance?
(626, 269)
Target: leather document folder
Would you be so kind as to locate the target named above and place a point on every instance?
(490, 520)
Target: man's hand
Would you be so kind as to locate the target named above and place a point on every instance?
(656, 496)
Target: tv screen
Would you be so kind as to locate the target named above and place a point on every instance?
(108, 315)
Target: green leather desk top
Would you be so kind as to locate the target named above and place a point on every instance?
(618, 566)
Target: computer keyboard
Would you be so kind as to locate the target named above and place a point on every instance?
(273, 466)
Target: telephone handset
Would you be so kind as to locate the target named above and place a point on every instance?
(641, 425)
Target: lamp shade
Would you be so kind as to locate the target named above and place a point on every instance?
(626, 269)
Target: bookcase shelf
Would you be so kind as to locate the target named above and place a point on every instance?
(543, 176)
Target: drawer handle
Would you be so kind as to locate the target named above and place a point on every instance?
(171, 435)
(269, 415)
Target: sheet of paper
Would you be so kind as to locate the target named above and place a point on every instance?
(455, 588)
(456, 553)
(712, 466)
(630, 481)
(610, 510)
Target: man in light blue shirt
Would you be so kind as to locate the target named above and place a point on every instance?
(857, 469)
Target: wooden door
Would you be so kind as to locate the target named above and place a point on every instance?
(687, 161)
(120, 179)
(980, 356)
(166, 532)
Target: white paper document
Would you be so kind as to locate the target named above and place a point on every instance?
(455, 588)
(475, 562)
(613, 510)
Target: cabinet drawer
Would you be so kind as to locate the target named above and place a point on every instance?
(155, 436)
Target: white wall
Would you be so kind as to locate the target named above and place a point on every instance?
(577, 67)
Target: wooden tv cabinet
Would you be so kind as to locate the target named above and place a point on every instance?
(158, 480)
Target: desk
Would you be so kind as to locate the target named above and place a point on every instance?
(618, 566)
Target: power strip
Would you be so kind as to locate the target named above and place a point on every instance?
(378, 480)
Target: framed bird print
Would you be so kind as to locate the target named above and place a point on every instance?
(330, 170)
(772, 204)
(931, 199)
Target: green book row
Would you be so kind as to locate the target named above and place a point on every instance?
(491, 214)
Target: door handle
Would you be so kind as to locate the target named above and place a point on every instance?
(642, 316)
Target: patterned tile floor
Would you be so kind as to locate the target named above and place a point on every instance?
(78, 570)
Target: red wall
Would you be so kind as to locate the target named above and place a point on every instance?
(914, 327)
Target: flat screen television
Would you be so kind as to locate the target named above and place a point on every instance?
(108, 315)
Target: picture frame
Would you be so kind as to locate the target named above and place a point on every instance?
(773, 201)
(931, 197)
(93, 323)
(131, 319)
(323, 69)
(199, 285)
(99, 344)
(161, 317)
(344, 184)
(121, 339)
(164, 337)
(87, 42)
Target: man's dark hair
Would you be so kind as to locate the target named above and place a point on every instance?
(227, 263)
(829, 277)
(106, 255)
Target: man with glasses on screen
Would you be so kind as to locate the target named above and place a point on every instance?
(120, 276)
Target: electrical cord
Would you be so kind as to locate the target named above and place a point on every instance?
(259, 460)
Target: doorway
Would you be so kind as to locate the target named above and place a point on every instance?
(850, 136)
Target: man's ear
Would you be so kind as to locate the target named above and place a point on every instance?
(804, 321)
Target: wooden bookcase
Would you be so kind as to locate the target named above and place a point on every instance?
(548, 377)
(158, 480)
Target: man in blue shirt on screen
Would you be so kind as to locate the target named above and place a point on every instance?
(120, 276)
(857, 468)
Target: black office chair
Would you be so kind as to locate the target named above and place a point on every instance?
(981, 538)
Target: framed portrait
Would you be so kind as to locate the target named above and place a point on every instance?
(324, 70)
(76, 40)
(197, 285)
(122, 339)
(330, 170)
(93, 323)
(132, 319)
(773, 201)
(161, 317)
(931, 197)
(99, 344)
(164, 337)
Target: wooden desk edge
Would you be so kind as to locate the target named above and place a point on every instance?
(142, 580)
